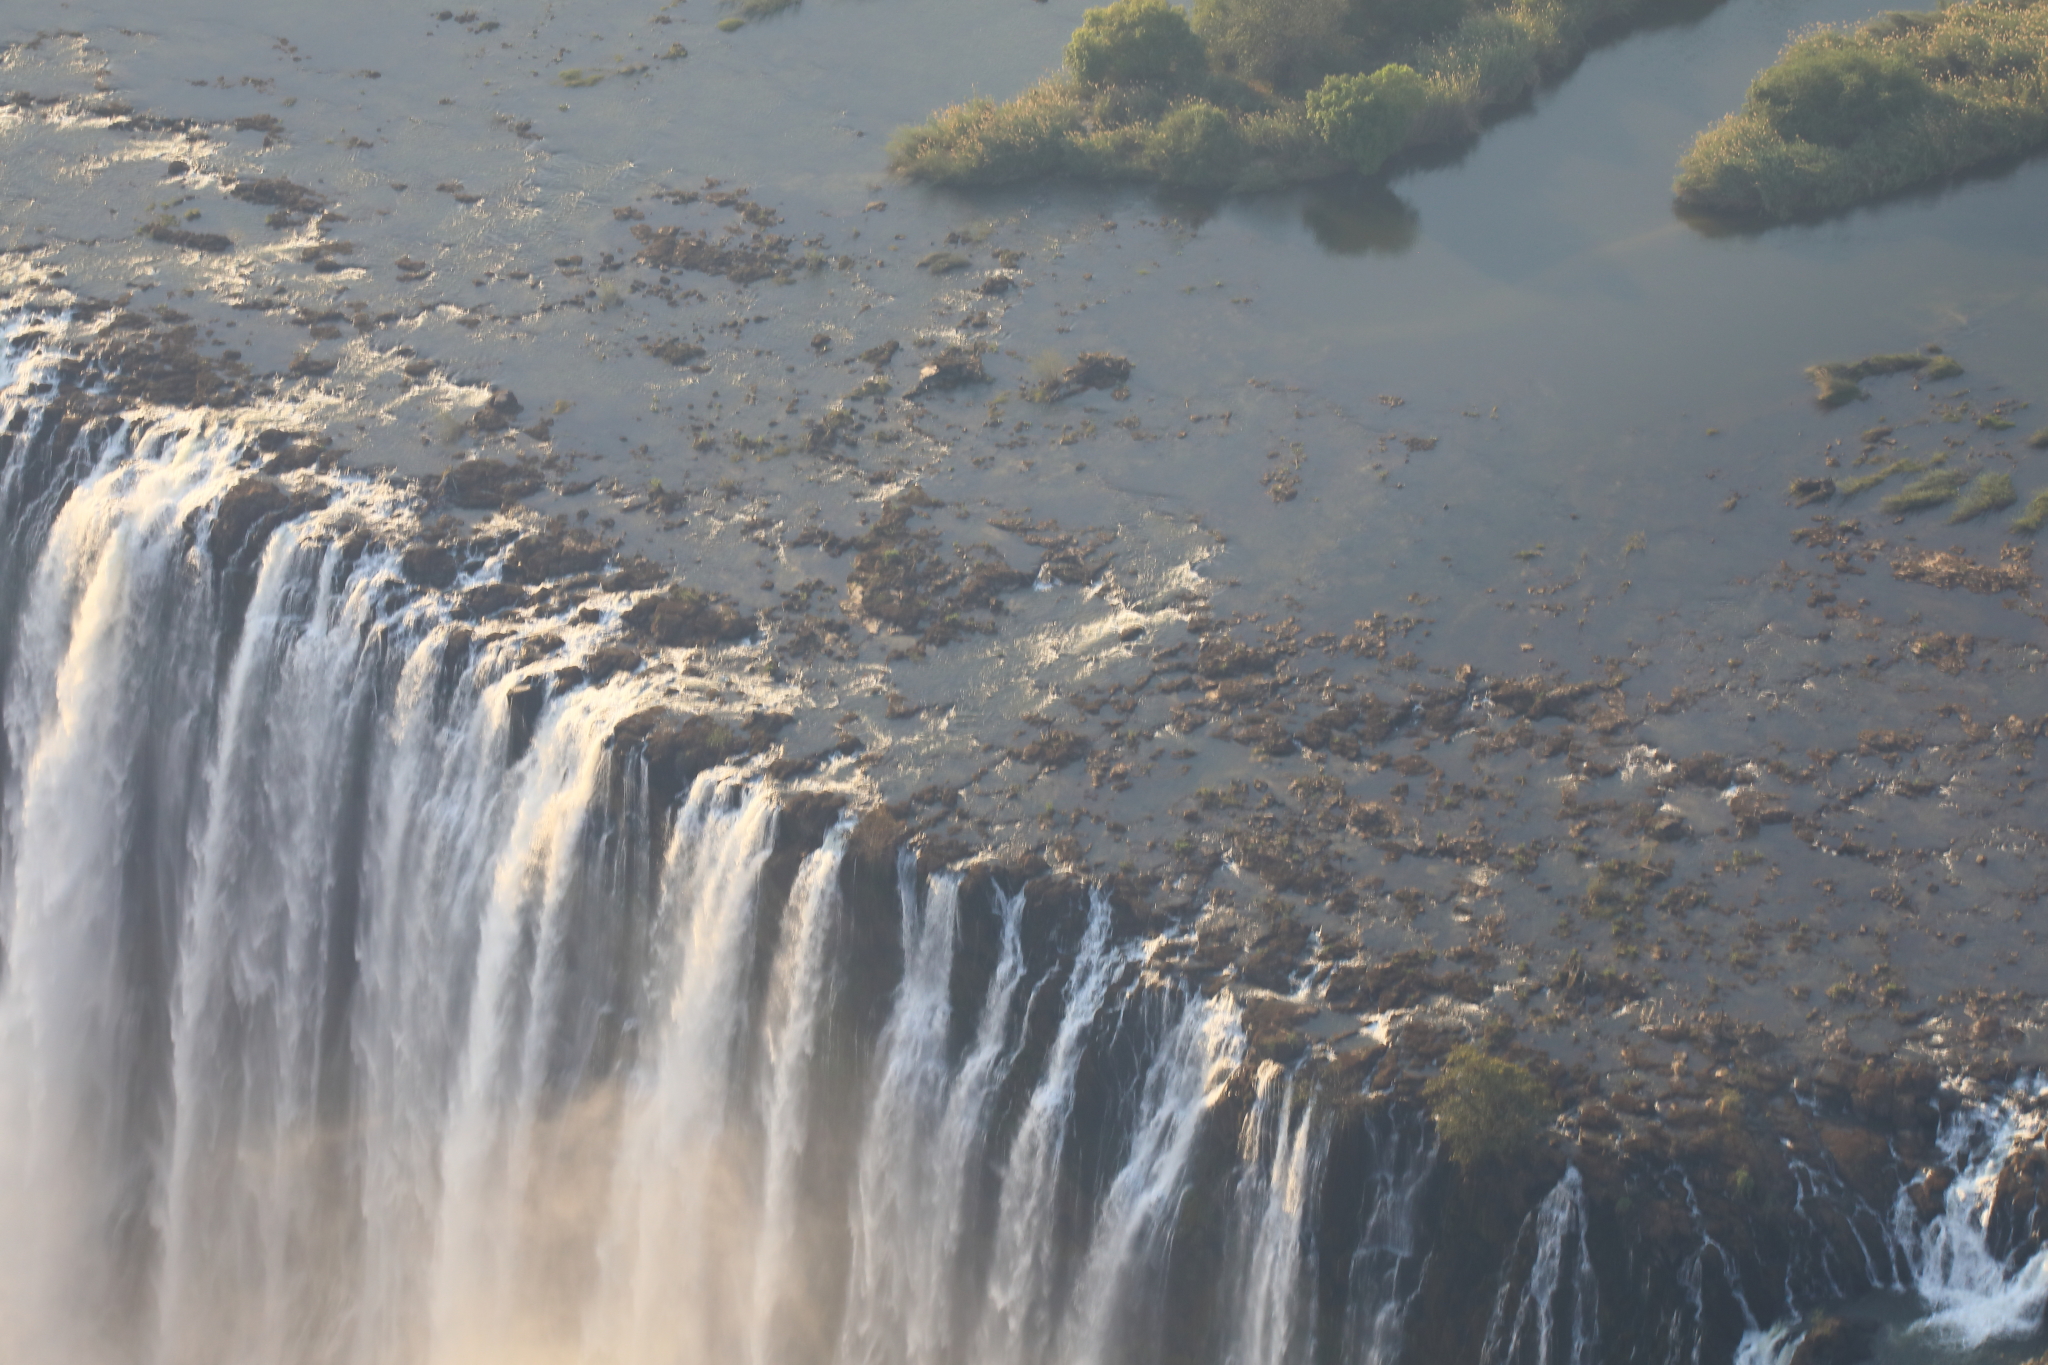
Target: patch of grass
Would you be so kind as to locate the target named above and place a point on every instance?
(1849, 488)
(1941, 367)
(1989, 493)
(2036, 514)
(985, 143)
(1931, 489)
(1837, 383)
(576, 78)
(731, 23)
(1992, 421)
(1847, 116)
(2039, 440)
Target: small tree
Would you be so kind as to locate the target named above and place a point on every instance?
(1135, 41)
(1487, 1110)
(1365, 119)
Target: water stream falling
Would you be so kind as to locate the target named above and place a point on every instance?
(1975, 1289)
(1282, 1153)
(1386, 1266)
(1555, 1319)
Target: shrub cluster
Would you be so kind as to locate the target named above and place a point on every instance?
(1135, 42)
(1848, 116)
(1488, 1111)
(1366, 118)
(1254, 93)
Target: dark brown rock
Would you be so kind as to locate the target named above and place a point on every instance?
(487, 484)
(686, 616)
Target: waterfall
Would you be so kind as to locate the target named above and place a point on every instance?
(1692, 1277)
(1555, 1320)
(669, 1252)
(352, 1015)
(1017, 1324)
(801, 985)
(1385, 1273)
(1113, 1313)
(1773, 1346)
(923, 1133)
(361, 1004)
(1975, 1293)
(1281, 1153)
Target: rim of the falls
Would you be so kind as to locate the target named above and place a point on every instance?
(386, 1030)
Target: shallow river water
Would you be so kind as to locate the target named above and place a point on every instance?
(1504, 416)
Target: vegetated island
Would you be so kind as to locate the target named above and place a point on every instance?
(1848, 116)
(1252, 94)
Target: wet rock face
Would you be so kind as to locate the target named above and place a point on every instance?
(556, 553)
(686, 616)
(902, 577)
(1835, 1341)
(213, 243)
(430, 566)
(486, 484)
(676, 747)
(497, 412)
(1091, 370)
(242, 509)
(949, 369)
(278, 192)
(2018, 1225)
(675, 351)
(155, 358)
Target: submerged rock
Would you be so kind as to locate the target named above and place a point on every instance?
(1090, 370)
(949, 369)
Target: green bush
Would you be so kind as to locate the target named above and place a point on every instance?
(1282, 45)
(1196, 144)
(1136, 42)
(1832, 94)
(1487, 1110)
(1365, 119)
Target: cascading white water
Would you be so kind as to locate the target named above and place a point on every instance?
(668, 1255)
(1973, 1294)
(897, 1200)
(1692, 1278)
(1017, 1323)
(1529, 1327)
(1114, 1304)
(925, 1134)
(1280, 1152)
(800, 992)
(349, 1017)
(1770, 1346)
